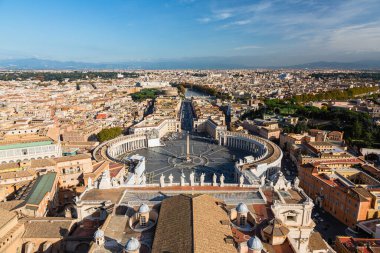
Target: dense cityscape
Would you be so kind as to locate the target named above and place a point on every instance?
(220, 161)
(190, 126)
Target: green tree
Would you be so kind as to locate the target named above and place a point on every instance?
(357, 129)
(109, 133)
(301, 127)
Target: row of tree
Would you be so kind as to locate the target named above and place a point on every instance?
(375, 76)
(359, 128)
(61, 76)
(335, 94)
(181, 89)
(208, 90)
(146, 94)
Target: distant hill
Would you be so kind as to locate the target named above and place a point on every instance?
(38, 64)
(370, 64)
(235, 62)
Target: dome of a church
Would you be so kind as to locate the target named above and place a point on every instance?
(144, 208)
(254, 243)
(242, 208)
(132, 245)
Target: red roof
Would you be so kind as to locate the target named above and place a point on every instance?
(363, 244)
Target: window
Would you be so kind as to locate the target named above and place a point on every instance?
(291, 218)
(143, 221)
(243, 220)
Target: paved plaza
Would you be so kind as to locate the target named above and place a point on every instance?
(206, 157)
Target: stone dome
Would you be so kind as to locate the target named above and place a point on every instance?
(254, 243)
(242, 208)
(144, 208)
(99, 233)
(132, 245)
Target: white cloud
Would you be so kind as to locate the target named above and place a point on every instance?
(356, 38)
(242, 22)
(215, 17)
(247, 47)
(341, 27)
(204, 20)
(223, 15)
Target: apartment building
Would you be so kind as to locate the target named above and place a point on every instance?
(264, 128)
(23, 147)
(72, 168)
(349, 194)
(164, 119)
(208, 118)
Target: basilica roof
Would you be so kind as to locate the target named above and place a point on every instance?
(192, 223)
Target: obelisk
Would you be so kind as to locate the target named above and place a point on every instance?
(188, 159)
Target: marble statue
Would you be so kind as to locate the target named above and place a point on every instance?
(202, 179)
(241, 180)
(136, 178)
(162, 180)
(143, 179)
(182, 179)
(222, 180)
(171, 179)
(89, 183)
(105, 180)
(121, 182)
(192, 178)
(262, 181)
(214, 180)
(296, 183)
(114, 182)
(282, 183)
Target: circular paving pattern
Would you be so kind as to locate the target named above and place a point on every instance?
(182, 162)
(205, 157)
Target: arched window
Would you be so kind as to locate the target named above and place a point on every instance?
(143, 221)
(243, 220)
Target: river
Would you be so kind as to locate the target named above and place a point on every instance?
(194, 93)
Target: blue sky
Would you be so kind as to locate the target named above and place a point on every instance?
(273, 31)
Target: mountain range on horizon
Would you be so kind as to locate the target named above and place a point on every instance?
(185, 63)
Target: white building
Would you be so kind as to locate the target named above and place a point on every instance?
(29, 149)
(156, 127)
(153, 85)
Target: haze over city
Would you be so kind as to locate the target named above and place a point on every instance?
(247, 33)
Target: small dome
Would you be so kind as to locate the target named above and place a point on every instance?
(99, 233)
(144, 208)
(242, 208)
(254, 243)
(132, 245)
